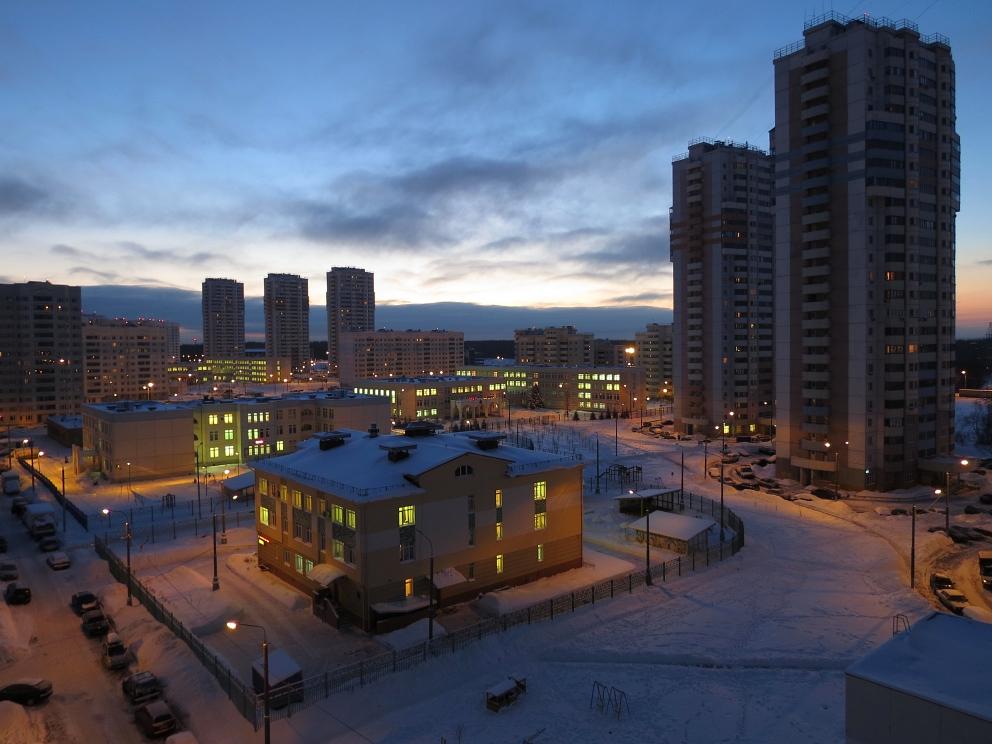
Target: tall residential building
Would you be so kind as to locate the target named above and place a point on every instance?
(609, 352)
(223, 318)
(125, 360)
(287, 319)
(350, 307)
(867, 188)
(172, 329)
(555, 346)
(721, 250)
(653, 353)
(377, 354)
(41, 352)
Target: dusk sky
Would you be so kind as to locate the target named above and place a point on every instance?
(493, 153)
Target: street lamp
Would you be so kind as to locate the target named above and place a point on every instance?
(234, 625)
(129, 488)
(723, 455)
(216, 582)
(127, 534)
(430, 589)
(947, 509)
(223, 514)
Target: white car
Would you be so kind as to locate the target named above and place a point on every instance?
(58, 561)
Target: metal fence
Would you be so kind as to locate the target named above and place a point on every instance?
(150, 515)
(174, 529)
(321, 686)
(71, 508)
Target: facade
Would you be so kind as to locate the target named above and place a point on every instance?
(162, 440)
(721, 251)
(868, 186)
(360, 509)
(125, 360)
(41, 352)
(172, 330)
(223, 318)
(253, 370)
(593, 389)
(384, 354)
(287, 319)
(608, 352)
(438, 399)
(558, 347)
(350, 308)
(653, 354)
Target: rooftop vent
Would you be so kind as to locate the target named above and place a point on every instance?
(373, 430)
(488, 440)
(398, 452)
(420, 429)
(331, 439)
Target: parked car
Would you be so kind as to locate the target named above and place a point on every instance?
(27, 691)
(16, 594)
(95, 623)
(155, 719)
(766, 450)
(114, 652)
(58, 561)
(8, 571)
(940, 581)
(3, 544)
(49, 545)
(731, 457)
(17, 505)
(953, 600)
(745, 471)
(985, 498)
(140, 687)
(84, 602)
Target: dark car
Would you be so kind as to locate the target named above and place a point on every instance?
(95, 623)
(16, 594)
(26, 691)
(940, 581)
(986, 498)
(49, 545)
(3, 544)
(140, 687)
(155, 719)
(8, 571)
(17, 505)
(84, 602)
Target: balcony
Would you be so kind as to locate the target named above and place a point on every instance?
(811, 428)
(816, 307)
(816, 359)
(811, 95)
(815, 393)
(809, 237)
(821, 270)
(813, 111)
(817, 288)
(816, 377)
(816, 340)
(815, 324)
(816, 410)
(812, 219)
(811, 77)
(824, 466)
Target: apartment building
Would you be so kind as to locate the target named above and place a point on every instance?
(41, 352)
(559, 347)
(287, 319)
(356, 517)
(608, 352)
(172, 338)
(142, 440)
(868, 186)
(440, 398)
(350, 308)
(721, 252)
(384, 354)
(653, 354)
(223, 302)
(125, 360)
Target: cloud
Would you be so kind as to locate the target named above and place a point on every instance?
(642, 297)
(986, 262)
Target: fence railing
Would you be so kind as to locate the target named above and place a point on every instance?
(174, 529)
(198, 509)
(321, 686)
(71, 508)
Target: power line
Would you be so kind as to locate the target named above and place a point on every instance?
(926, 9)
(746, 106)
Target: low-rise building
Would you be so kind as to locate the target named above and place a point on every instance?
(438, 399)
(356, 517)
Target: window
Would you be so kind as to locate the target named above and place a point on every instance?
(263, 486)
(283, 492)
(338, 550)
(214, 452)
(471, 572)
(350, 524)
(499, 498)
(540, 505)
(408, 587)
(408, 515)
(321, 535)
(406, 551)
(297, 499)
(540, 521)
(308, 502)
(229, 434)
(229, 451)
(499, 563)
(214, 436)
(540, 490)
(308, 565)
(540, 552)
(321, 505)
(337, 513)
(212, 419)
(285, 556)
(280, 446)
(463, 470)
(499, 530)
(263, 515)
(299, 563)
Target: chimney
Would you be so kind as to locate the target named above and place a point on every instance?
(373, 431)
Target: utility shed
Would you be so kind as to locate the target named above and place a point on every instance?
(927, 685)
(675, 532)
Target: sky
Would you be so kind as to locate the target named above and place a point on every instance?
(491, 153)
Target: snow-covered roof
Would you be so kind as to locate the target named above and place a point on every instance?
(448, 577)
(324, 574)
(401, 606)
(648, 493)
(678, 526)
(281, 667)
(361, 469)
(501, 688)
(240, 481)
(942, 658)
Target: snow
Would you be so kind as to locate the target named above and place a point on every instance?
(191, 599)
(245, 565)
(183, 737)
(153, 555)
(596, 568)
(978, 613)
(324, 573)
(502, 688)
(16, 726)
(943, 658)
(240, 481)
(677, 526)
(414, 633)
(281, 667)
(448, 577)
(408, 604)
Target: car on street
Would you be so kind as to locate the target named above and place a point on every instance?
(95, 623)
(766, 450)
(940, 581)
(140, 687)
(155, 719)
(16, 594)
(49, 545)
(58, 561)
(746, 471)
(114, 652)
(8, 571)
(986, 498)
(17, 505)
(26, 691)
(953, 600)
(84, 602)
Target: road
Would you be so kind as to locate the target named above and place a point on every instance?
(44, 639)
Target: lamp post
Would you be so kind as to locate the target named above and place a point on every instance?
(964, 463)
(597, 462)
(912, 553)
(129, 487)
(647, 548)
(26, 441)
(216, 582)
(199, 507)
(63, 500)
(223, 514)
(127, 534)
(233, 625)
(430, 590)
(947, 509)
(723, 455)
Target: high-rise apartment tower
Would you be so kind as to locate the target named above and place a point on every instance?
(223, 318)
(867, 188)
(287, 319)
(721, 250)
(350, 308)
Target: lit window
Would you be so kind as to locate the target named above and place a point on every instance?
(229, 434)
(280, 446)
(308, 565)
(263, 486)
(351, 519)
(337, 514)
(214, 452)
(499, 564)
(299, 563)
(263, 515)
(308, 502)
(229, 451)
(283, 493)
(338, 550)
(499, 498)
(297, 499)
(212, 419)
(321, 505)
(408, 587)
(540, 490)
(408, 515)
(499, 530)
(228, 418)
(540, 521)
(540, 552)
